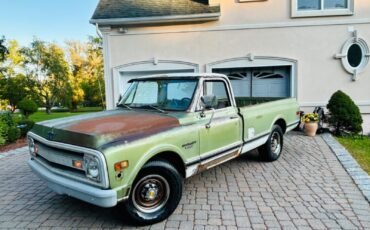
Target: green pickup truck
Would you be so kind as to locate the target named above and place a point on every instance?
(165, 128)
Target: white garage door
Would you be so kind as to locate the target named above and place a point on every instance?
(259, 81)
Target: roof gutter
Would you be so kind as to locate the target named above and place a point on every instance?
(157, 19)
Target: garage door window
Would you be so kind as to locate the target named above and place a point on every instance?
(264, 82)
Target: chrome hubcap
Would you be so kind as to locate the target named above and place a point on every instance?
(276, 143)
(150, 193)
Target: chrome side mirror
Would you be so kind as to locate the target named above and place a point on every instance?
(209, 103)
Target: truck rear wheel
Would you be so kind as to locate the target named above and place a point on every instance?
(155, 194)
(273, 147)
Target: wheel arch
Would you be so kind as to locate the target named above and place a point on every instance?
(282, 123)
(166, 153)
(173, 158)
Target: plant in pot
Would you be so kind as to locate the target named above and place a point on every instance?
(310, 121)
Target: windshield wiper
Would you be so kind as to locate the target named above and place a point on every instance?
(154, 107)
(124, 105)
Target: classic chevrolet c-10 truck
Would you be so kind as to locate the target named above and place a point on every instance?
(165, 128)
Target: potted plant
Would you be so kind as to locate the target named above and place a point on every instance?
(310, 121)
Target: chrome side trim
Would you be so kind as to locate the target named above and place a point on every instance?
(74, 148)
(232, 146)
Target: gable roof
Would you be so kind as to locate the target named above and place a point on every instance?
(114, 12)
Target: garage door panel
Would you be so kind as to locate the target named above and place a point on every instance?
(272, 81)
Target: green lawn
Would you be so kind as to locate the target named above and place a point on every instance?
(359, 149)
(43, 116)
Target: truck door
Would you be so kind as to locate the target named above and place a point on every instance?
(223, 135)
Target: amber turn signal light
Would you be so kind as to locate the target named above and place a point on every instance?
(77, 164)
(119, 166)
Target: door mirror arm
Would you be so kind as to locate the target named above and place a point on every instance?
(208, 125)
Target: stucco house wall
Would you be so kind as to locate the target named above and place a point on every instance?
(249, 32)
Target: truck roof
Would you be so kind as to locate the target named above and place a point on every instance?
(181, 75)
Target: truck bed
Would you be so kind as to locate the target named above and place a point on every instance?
(248, 101)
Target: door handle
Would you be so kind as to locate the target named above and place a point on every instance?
(233, 117)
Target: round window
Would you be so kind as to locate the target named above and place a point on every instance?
(355, 55)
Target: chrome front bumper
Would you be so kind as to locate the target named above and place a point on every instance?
(61, 185)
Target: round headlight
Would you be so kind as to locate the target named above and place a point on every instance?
(92, 168)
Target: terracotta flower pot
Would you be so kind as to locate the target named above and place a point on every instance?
(310, 128)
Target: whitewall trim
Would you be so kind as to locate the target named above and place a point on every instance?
(250, 61)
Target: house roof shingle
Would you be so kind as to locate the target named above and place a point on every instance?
(131, 9)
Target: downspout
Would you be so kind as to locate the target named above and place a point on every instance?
(98, 31)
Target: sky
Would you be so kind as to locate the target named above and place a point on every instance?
(48, 20)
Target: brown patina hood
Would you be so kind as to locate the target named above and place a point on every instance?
(103, 129)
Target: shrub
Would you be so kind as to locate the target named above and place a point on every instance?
(27, 107)
(9, 131)
(344, 114)
(25, 126)
(3, 132)
(14, 133)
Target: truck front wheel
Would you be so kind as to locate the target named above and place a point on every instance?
(273, 147)
(155, 194)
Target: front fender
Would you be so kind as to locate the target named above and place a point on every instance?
(149, 155)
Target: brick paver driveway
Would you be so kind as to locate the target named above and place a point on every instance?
(306, 188)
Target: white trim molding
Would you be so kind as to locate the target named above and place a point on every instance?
(272, 25)
(322, 12)
(250, 61)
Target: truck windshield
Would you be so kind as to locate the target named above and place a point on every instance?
(160, 94)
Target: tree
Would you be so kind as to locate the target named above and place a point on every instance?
(86, 63)
(45, 63)
(14, 85)
(14, 89)
(94, 88)
(27, 107)
(3, 50)
(77, 59)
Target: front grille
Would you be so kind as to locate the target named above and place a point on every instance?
(60, 160)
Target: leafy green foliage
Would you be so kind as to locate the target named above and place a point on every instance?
(344, 113)
(3, 132)
(25, 126)
(14, 89)
(3, 49)
(14, 134)
(27, 107)
(8, 129)
(47, 66)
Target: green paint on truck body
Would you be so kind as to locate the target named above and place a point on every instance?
(139, 135)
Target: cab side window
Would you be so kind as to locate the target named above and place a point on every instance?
(218, 89)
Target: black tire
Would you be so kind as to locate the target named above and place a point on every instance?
(271, 150)
(157, 178)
